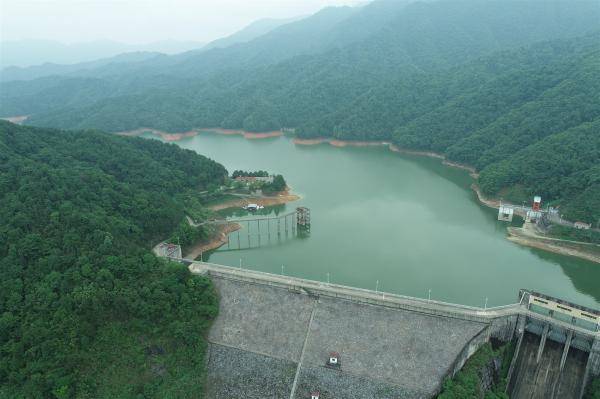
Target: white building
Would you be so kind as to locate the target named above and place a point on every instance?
(582, 225)
(505, 213)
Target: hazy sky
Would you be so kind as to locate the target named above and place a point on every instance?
(142, 21)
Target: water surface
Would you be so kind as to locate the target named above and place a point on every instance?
(408, 222)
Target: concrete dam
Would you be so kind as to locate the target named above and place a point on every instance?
(275, 335)
(544, 379)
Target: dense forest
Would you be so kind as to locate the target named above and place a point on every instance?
(86, 310)
(494, 85)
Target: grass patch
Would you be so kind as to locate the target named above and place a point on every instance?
(466, 383)
(568, 233)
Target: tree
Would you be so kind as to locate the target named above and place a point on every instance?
(86, 310)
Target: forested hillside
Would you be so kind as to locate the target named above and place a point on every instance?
(85, 309)
(338, 53)
(479, 82)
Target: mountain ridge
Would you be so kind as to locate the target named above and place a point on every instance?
(449, 76)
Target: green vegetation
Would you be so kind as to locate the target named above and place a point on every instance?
(568, 233)
(86, 310)
(593, 389)
(278, 184)
(466, 383)
(510, 89)
(243, 173)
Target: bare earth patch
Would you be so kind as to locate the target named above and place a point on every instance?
(194, 132)
(245, 134)
(281, 198)
(164, 135)
(528, 236)
(218, 239)
(16, 119)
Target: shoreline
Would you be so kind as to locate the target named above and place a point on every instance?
(542, 243)
(219, 238)
(216, 241)
(243, 133)
(392, 147)
(164, 135)
(527, 236)
(562, 247)
(172, 137)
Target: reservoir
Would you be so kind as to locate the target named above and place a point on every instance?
(397, 223)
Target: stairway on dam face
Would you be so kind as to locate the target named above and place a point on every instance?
(543, 379)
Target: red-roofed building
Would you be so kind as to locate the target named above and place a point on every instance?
(537, 203)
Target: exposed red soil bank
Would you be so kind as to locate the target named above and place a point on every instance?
(194, 132)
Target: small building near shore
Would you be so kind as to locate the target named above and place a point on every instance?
(582, 225)
(251, 179)
(537, 203)
(168, 250)
(533, 216)
(505, 213)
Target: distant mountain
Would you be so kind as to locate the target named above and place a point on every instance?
(24, 53)
(340, 52)
(49, 69)
(481, 82)
(250, 32)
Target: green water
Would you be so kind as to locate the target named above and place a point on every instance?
(407, 221)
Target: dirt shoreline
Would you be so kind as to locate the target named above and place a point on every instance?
(220, 237)
(217, 240)
(164, 135)
(527, 236)
(171, 137)
(390, 146)
(243, 133)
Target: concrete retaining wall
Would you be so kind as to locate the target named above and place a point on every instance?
(470, 348)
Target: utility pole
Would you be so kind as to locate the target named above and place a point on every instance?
(377, 286)
(429, 295)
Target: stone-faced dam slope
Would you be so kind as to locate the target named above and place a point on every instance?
(274, 335)
(383, 352)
